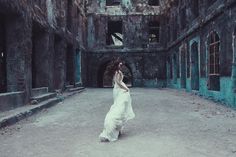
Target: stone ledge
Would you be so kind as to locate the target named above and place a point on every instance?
(11, 117)
(73, 92)
(76, 89)
(44, 97)
(11, 100)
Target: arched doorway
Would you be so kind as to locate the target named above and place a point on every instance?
(194, 66)
(105, 80)
(175, 66)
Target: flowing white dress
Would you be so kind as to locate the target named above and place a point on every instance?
(120, 112)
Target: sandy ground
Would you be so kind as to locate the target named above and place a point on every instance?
(168, 123)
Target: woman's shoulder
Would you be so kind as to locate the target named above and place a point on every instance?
(118, 72)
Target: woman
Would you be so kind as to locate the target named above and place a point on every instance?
(121, 111)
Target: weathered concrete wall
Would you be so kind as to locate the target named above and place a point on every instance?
(17, 38)
(10, 101)
(135, 31)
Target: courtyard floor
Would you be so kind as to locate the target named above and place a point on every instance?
(168, 123)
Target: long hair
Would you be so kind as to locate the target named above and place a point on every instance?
(112, 67)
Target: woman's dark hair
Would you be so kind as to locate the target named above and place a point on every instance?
(113, 67)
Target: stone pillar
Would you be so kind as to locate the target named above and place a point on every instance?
(234, 62)
(51, 59)
(18, 50)
(40, 58)
(59, 63)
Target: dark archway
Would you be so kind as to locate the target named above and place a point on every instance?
(194, 66)
(128, 75)
(106, 81)
(101, 71)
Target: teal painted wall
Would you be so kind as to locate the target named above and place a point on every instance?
(188, 85)
(175, 84)
(225, 96)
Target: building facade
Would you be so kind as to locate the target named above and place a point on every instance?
(201, 48)
(41, 44)
(132, 30)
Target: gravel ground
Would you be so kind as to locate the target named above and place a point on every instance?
(168, 123)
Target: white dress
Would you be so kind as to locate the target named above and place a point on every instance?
(120, 112)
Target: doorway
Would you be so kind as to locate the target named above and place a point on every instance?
(183, 67)
(194, 66)
(39, 57)
(78, 65)
(69, 65)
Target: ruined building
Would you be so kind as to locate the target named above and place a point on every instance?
(133, 30)
(181, 44)
(201, 48)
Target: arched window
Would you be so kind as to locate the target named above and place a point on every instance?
(214, 62)
(214, 54)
